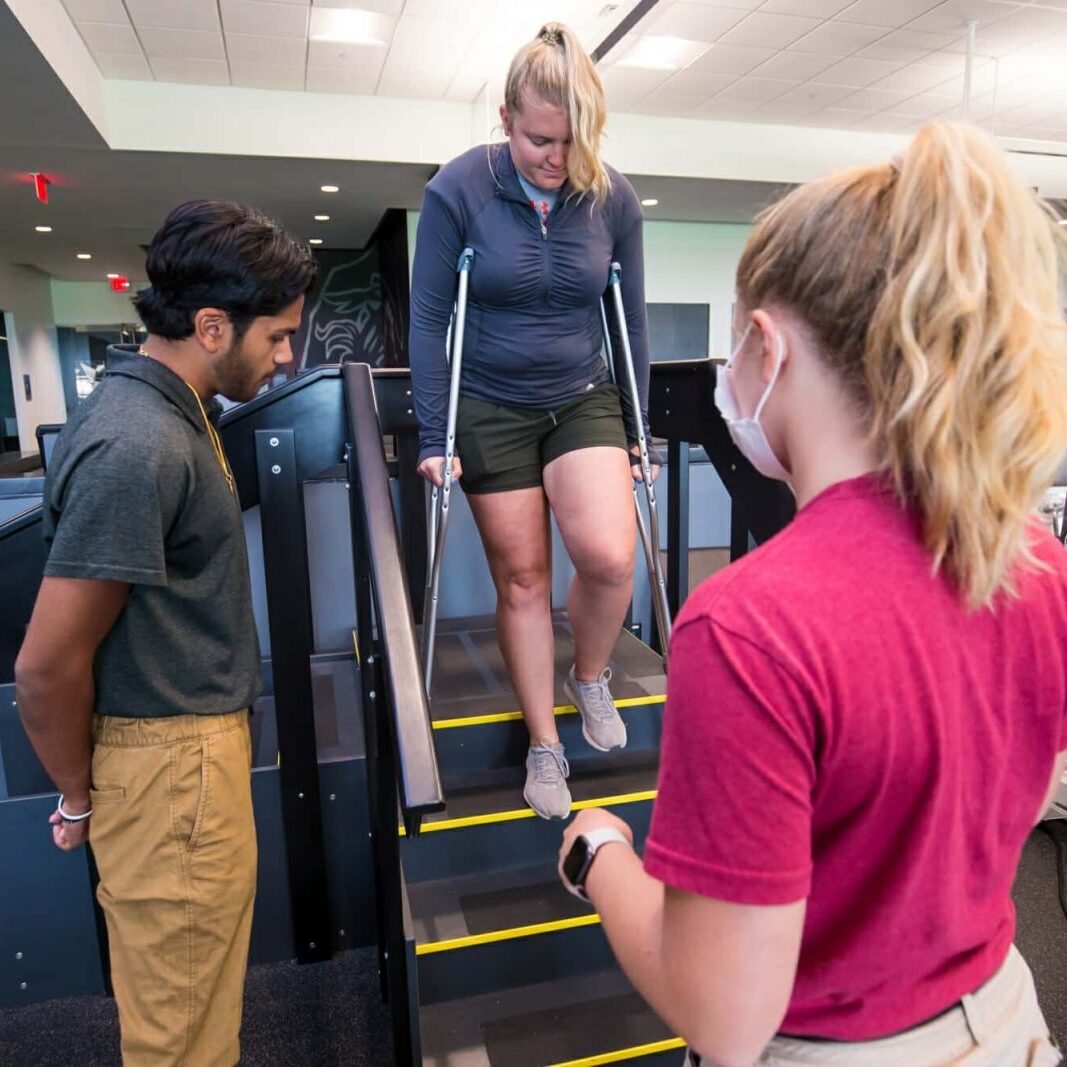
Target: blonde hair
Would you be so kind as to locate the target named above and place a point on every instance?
(931, 286)
(555, 68)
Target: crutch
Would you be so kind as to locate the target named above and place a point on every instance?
(438, 519)
(649, 532)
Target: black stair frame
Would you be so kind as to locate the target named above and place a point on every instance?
(401, 759)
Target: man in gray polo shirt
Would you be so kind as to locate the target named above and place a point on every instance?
(141, 659)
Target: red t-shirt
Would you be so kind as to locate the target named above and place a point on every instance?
(839, 727)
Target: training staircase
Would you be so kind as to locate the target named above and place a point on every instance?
(486, 961)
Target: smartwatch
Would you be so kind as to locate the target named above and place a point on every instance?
(574, 869)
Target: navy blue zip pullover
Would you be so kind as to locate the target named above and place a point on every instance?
(533, 333)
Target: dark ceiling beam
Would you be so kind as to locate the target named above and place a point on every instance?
(623, 28)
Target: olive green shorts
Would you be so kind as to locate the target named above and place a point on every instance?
(504, 448)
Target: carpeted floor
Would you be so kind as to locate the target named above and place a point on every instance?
(330, 1014)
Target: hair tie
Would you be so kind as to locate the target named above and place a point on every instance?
(552, 37)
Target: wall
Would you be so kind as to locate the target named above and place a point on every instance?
(26, 299)
(91, 304)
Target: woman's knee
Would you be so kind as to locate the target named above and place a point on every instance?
(524, 587)
(610, 565)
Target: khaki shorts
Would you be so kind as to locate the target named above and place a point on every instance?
(504, 448)
(998, 1025)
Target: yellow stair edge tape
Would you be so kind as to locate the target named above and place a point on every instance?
(513, 716)
(512, 934)
(623, 1054)
(529, 813)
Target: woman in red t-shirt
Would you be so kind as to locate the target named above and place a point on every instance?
(866, 715)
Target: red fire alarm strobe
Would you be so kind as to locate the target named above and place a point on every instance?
(40, 186)
(121, 284)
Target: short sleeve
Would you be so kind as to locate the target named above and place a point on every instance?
(112, 508)
(732, 818)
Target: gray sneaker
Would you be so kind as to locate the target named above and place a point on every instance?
(602, 726)
(546, 781)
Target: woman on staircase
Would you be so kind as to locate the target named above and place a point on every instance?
(540, 427)
(867, 715)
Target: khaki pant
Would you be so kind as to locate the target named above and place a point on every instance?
(999, 1025)
(175, 842)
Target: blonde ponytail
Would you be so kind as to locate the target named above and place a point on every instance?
(932, 288)
(556, 68)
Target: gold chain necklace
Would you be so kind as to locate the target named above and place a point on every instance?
(213, 437)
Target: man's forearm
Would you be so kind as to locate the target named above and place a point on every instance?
(57, 712)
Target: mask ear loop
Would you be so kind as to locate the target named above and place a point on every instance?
(780, 354)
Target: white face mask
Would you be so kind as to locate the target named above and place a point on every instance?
(747, 433)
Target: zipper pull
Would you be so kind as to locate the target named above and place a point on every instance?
(544, 231)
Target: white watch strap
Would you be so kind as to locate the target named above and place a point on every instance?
(598, 838)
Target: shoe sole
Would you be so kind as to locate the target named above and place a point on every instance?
(541, 815)
(585, 733)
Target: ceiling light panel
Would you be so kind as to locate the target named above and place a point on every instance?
(350, 25)
(652, 52)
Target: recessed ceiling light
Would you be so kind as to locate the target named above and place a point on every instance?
(331, 188)
(322, 218)
(349, 26)
(84, 255)
(662, 53)
(114, 275)
(650, 202)
(43, 229)
(315, 241)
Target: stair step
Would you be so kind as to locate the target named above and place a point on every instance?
(586, 1021)
(489, 826)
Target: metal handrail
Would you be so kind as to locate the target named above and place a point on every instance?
(419, 777)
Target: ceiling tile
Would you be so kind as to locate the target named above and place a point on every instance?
(413, 82)
(799, 66)
(125, 67)
(266, 50)
(749, 5)
(626, 86)
(835, 118)
(953, 15)
(839, 38)
(880, 13)
(328, 55)
(360, 80)
(815, 95)
(265, 19)
(424, 57)
(906, 45)
(266, 75)
(731, 59)
(392, 7)
(886, 122)
(105, 37)
(819, 9)
(194, 71)
(783, 112)
(926, 105)
(874, 99)
(175, 14)
(695, 22)
(917, 78)
(729, 110)
(761, 89)
(698, 83)
(659, 103)
(96, 10)
(183, 44)
(769, 31)
(857, 72)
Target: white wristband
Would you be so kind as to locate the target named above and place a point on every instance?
(67, 817)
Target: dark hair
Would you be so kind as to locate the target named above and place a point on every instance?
(215, 253)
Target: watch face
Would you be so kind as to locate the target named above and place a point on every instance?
(576, 865)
